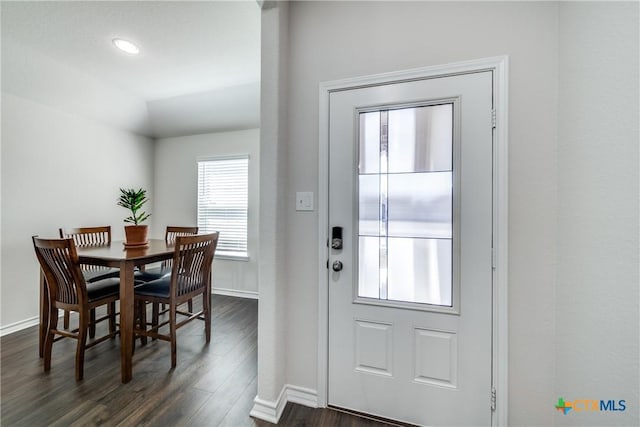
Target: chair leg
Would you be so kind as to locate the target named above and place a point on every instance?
(142, 307)
(136, 326)
(155, 315)
(190, 306)
(44, 314)
(66, 319)
(92, 323)
(48, 340)
(206, 307)
(172, 334)
(111, 311)
(82, 342)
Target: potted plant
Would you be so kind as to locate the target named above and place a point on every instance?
(136, 234)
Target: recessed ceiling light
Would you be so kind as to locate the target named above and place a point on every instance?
(126, 46)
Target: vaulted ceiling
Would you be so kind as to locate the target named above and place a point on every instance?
(198, 69)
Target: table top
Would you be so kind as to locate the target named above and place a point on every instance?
(157, 250)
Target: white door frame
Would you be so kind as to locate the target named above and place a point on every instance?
(499, 66)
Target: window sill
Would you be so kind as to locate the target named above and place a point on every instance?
(230, 256)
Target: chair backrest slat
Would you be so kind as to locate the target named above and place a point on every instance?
(88, 236)
(59, 262)
(173, 231)
(170, 236)
(192, 263)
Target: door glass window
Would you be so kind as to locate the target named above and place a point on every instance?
(405, 219)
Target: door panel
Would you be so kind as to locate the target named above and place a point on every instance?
(410, 182)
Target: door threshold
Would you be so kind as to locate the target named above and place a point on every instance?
(371, 417)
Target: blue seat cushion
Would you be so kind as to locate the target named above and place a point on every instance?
(156, 288)
(103, 288)
(99, 274)
(150, 275)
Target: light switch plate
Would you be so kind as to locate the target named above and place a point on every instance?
(304, 201)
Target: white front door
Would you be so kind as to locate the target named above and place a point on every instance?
(410, 289)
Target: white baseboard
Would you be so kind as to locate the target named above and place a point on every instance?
(18, 326)
(26, 323)
(33, 321)
(266, 410)
(302, 396)
(235, 293)
(272, 410)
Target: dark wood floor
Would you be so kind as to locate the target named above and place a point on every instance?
(212, 385)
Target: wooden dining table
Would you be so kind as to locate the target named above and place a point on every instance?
(126, 259)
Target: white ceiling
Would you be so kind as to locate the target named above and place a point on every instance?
(189, 52)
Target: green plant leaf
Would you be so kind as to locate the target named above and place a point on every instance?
(133, 200)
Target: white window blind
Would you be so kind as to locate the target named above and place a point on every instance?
(223, 190)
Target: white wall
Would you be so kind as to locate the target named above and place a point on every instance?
(273, 265)
(69, 142)
(58, 170)
(332, 40)
(175, 199)
(597, 297)
(573, 202)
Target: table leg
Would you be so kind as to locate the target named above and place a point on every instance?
(126, 320)
(44, 313)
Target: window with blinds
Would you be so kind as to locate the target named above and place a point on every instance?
(223, 191)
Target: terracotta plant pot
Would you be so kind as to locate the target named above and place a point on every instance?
(136, 236)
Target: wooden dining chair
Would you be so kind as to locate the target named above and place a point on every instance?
(68, 290)
(149, 275)
(170, 235)
(84, 237)
(190, 277)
